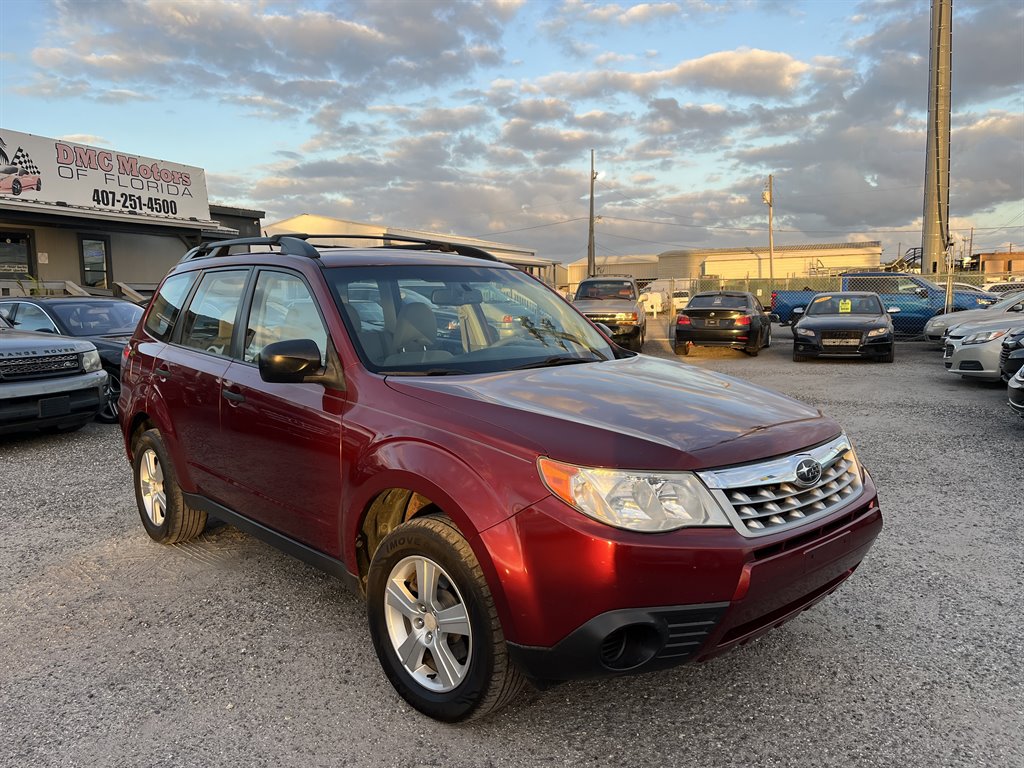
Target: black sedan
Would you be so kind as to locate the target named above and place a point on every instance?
(107, 323)
(722, 319)
(849, 324)
(1011, 356)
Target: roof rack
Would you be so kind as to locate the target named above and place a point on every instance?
(296, 245)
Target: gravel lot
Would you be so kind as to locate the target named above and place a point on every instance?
(115, 651)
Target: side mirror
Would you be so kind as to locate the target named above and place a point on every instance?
(290, 362)
(893, 310)
(774, 318)
(798, 310)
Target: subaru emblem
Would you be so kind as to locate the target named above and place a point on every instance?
(808, 472)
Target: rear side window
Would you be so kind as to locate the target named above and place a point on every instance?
(209, 322)
(167, 305)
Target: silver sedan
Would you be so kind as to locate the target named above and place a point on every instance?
(972, 349)
(1011, 306)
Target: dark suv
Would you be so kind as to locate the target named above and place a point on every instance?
(519, 502)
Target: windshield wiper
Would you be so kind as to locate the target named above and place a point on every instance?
(549, 362)
(428, 372)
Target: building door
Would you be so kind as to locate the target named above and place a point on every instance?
(16, 256)
(94, 251)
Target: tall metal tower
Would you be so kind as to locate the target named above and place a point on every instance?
(935, 235)
(591, 261)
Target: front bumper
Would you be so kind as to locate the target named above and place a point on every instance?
(1015, 393)
(587, 600)
(57, 402)
(877, 346)
(974, 361)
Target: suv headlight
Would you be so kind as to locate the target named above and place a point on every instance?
(804, 332)
(984, 336)
(648, 502)
(878, 331)
(91, 361)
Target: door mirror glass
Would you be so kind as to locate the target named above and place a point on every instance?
(893, 310)
(798, 310)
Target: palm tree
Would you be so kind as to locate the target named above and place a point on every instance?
(4, 159)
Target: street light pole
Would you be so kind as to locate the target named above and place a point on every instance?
(766, 196)
(591, 262)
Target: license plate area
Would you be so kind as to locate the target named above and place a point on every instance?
(710, 323)
(840, 342)
(54, 406)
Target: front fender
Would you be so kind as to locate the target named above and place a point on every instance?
(471, 493)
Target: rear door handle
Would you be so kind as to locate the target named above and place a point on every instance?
(235, 397)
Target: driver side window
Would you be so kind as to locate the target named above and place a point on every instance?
(282, 309)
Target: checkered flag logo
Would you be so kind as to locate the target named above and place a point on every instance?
(23, 161)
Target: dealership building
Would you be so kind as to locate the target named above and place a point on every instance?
(77, 218)
(92, 220)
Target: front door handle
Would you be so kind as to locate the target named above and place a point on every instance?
(164, 372)
(235, 397)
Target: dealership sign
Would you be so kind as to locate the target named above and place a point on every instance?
(52, 172)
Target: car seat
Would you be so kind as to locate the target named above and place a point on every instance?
(415, 337)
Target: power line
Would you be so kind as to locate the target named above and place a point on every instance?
(536, 226)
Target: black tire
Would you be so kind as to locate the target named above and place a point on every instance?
(681, 349)
(108, 412)
(169, 519)
(481, 677)
(798, 358)
(768, 338)
(753, 351)
(16, 187)
(889, 356)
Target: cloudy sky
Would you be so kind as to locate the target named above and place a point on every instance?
(478, 118)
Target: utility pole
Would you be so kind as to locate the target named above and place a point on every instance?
(935, 235)
(591, 262)
(766, 196)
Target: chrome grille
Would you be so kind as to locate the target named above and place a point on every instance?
(38, 366)
(601, 317)
(766, 498)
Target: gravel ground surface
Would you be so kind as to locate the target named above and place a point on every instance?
(115, 651)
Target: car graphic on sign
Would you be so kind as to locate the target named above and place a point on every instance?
(14, 180)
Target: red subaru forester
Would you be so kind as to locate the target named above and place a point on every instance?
(531, 505)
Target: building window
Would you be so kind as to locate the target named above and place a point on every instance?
(15, 255)
(95, 255)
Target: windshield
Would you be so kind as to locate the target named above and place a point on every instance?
(717, 301)
(844, 304)
(434, 320)
(606, 289)
(97, 318)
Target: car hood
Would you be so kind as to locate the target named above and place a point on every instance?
(967, 316)
(999, 322)
(20, 343)
(603, 306)
(842, 322)
(638, 413)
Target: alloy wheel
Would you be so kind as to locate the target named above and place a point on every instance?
(428, 624)
(151, 485)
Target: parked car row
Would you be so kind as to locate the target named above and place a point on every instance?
(107, 323)
(987, 345)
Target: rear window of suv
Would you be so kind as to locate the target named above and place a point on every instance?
(167, 305)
